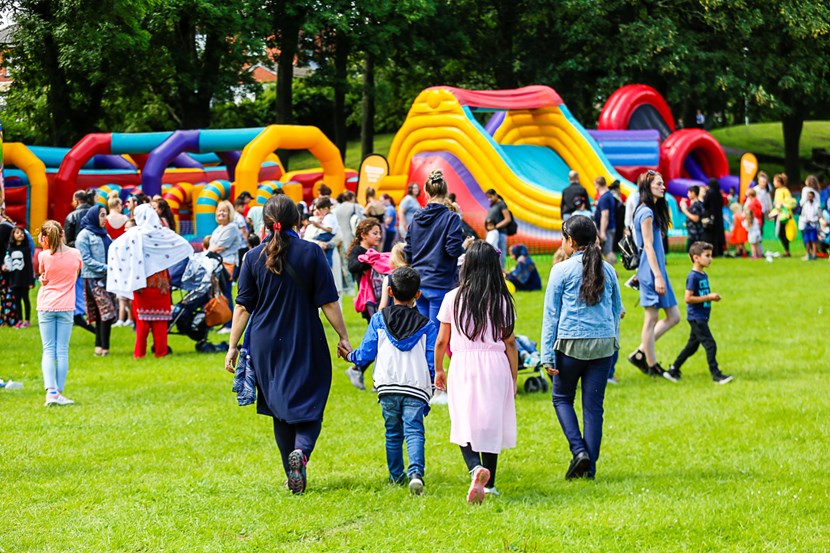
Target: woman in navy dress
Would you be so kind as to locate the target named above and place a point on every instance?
(282, 283)
(651, 223)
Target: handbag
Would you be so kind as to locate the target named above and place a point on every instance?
(217, 309)
(512, 227)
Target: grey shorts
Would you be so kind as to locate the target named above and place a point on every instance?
(608, 245)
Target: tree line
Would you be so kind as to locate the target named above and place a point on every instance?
(142, 65)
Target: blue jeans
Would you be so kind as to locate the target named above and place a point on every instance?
(430, 302)
(594, 375)
(329, 252)
(503, 248)
(55, 330)
(614, 359)
(80, 304)
(404, 420)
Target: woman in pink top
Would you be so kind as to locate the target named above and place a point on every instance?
(58, 265)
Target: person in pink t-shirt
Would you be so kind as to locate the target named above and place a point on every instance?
(59, 266)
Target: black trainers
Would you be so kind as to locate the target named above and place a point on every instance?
(722, 378)
(672, 374)
(656, 370)
(579, 464)
(296, 472)
(638, 359)
(416, 484)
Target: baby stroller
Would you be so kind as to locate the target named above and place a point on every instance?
(530, 365)
(203, 274)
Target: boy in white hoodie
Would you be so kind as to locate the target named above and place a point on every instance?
(401, 342)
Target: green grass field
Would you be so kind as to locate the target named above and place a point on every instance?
(156, 456)
(768, 138)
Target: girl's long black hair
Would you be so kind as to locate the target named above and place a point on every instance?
(280, 215)
(657, 205)
(483, 297)
(583, 231)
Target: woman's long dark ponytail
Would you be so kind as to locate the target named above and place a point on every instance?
(583, 231)
(280, 215)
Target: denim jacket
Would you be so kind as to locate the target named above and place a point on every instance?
(567, 316)
(93, 254)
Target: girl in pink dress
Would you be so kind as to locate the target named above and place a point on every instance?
(477, 321)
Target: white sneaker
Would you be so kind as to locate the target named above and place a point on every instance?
(51, 399)
(224, 330)
(63, 400)
(120, 323)
(439, 398)
(492, 491)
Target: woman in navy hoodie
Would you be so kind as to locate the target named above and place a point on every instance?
(433, 246)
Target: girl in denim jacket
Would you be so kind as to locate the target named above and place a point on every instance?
(580, 335)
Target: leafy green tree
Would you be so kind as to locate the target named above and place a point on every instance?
(68, 64)
(200, 48)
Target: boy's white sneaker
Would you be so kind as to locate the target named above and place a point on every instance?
(416, 485)
(492, 491)
(439, 398)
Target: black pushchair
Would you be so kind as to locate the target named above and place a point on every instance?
(197, 278)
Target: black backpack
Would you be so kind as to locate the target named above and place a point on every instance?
(629, 251)
(512, 227)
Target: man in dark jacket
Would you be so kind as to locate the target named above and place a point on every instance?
(570, 195)
(81, 201)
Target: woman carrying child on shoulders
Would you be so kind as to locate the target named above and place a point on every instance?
(477, 321)
(580, 337)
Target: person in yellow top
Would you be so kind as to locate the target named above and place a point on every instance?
(782, 212)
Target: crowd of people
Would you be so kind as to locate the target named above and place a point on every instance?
(424, 285)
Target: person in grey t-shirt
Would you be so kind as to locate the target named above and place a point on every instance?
(409, 205)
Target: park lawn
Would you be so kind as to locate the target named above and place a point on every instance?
(156, 456)
(768, 138)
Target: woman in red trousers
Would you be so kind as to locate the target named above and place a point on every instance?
(138, 267)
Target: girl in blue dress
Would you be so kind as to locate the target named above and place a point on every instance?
(651, 223)
(282, 283)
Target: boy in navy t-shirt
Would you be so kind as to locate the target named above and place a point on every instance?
(698, 308)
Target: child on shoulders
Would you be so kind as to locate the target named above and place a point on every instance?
(699, 300)
(401, 342)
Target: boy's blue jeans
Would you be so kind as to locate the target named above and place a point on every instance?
(404, 419)
(594, 376)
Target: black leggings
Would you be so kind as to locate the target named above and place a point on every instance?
(302, 435)
(474, 459)
(102, 334)
(782, 235)
(21, 302)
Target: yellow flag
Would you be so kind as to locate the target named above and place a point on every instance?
(749, 168)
